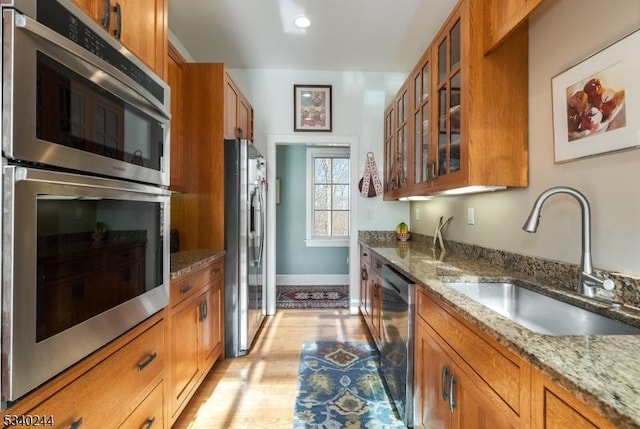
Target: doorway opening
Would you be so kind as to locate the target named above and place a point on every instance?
(347, 142)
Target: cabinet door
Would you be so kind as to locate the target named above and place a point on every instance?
(376, 306)
(184, 349)
(474, 408)
(364, 287)
(390, 182)
(244, 115)
(402, 139)
(553, 407)
(231, 100)
(178, 148)
(432, 374)
(139, 24)
(210, 326)
(422, 164)
(448, 106)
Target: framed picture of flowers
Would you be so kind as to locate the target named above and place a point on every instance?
(312, 107)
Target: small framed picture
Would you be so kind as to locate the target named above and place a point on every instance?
(312, 107)
(596, 103)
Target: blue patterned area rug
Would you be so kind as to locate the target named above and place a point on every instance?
(339, 386)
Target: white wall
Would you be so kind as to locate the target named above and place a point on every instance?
(561, 34)
(359, 99)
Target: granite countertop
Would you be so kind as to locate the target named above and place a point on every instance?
(185, 261)
(602, 370)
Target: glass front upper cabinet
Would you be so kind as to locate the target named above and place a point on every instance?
(449, 102)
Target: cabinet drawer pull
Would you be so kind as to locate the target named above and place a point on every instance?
(185, 289)
(149, 422)
(142, 365)
(118, 31)
(443, 383)
(216, 270)
(106, 16)
(452, 384)
(76, 424)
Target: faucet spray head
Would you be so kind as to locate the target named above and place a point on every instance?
(531, 224)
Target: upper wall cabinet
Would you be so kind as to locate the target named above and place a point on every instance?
(141, 26)
(175, 71)
(397, 145)
(468, 111)
(238, 113)
(504, 16)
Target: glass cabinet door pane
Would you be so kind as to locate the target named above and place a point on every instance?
(425, 81)
(443, 137)
(417, 84)
(442, 61)
(455, 46)
(405, 152)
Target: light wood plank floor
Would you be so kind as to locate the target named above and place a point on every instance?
(258, 390)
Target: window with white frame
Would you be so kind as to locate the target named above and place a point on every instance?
(328, 196)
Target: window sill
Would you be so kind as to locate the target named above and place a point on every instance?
(340, 242)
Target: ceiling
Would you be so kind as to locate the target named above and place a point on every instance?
(355, 35)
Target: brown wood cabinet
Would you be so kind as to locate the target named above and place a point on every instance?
(371, 291)
(553, 407)
(467, 117)
(238, 113)
(199, 214)
(397, 176)
(120, 385)
(196, 319)
(141, 26)
(462, 377)
(175, 65)
(503, 17)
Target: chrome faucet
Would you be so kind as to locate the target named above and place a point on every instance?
(587, 281)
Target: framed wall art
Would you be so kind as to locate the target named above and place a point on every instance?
(596, 103)
(312, 107)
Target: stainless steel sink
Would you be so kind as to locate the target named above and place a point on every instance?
(541, 313)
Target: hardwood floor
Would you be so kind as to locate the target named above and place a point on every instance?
(258, 391)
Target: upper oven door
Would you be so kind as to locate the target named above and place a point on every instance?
(66, 107)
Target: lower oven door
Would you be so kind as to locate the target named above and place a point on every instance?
(396, 352)
(84, 259)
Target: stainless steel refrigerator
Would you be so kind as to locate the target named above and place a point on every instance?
(245, 222)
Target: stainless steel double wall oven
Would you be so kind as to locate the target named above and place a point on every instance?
(85, 209)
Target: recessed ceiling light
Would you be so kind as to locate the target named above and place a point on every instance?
(302, 21)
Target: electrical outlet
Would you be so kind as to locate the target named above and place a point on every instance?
(471, 216)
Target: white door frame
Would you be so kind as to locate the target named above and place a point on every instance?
(321, 140)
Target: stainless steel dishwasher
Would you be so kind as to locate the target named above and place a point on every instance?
(396, 343)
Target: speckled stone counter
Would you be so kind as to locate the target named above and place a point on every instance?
(603, 371)
(189, 260)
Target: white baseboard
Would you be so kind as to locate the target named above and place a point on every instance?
(312, 279)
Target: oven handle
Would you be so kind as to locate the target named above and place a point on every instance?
(122, 85)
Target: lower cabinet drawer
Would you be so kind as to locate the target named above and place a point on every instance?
(109, 392)
(149, 414)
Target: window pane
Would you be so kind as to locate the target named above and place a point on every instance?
(322, 197)
(340, 223)
(340, 197)
(321, 226)
(340, 170)
(322, 170)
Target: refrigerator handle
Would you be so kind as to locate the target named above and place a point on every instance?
(262, 231)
